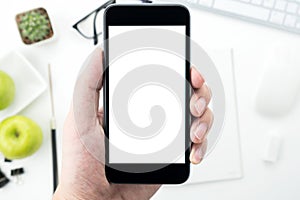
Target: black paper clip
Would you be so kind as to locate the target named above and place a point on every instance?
(17, 174)
(7, 160)
(3, 179)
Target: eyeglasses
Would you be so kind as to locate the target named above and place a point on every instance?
(95, 18)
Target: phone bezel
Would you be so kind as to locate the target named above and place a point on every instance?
(143, 15)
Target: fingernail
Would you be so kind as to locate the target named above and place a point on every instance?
(201, 130)
(199, 155)
(200, 105)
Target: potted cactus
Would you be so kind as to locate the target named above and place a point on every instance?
(34, 26)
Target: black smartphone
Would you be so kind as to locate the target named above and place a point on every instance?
(152, 152)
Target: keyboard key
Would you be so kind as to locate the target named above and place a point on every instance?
(268, 3)
(256, 2)
(243, 9)
(207, 3)
(280, 5)
(277, 17)
(290, 20)
(292, 7)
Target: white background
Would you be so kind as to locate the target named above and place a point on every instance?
(261, 181)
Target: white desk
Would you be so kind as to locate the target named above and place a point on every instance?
(261, 181)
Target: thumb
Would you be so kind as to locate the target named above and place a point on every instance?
(86, 91)
(85, 105)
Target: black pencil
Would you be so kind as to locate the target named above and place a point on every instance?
(53, 134)
(54, 159)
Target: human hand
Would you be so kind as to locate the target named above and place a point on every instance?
(83, 174)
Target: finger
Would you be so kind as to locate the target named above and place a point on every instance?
(199, 101)
(101, 115)
(196, 79)
(201, 126)
(86, 92)
(198, 152)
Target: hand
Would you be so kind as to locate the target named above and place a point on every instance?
(83, 175)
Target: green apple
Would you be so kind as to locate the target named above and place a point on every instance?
(20, 137)
(7, 90)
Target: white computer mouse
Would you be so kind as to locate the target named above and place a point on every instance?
(279, 87)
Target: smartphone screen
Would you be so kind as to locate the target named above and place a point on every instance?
(146, 93)
(131, 148)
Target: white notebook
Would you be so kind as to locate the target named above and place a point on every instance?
(224, 162)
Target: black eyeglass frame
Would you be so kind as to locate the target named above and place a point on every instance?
(96, 11)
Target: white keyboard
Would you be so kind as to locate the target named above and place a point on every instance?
(281, 14)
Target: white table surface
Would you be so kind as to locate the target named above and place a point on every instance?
(261, 181)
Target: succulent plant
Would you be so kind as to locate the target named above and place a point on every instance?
(34, 26)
